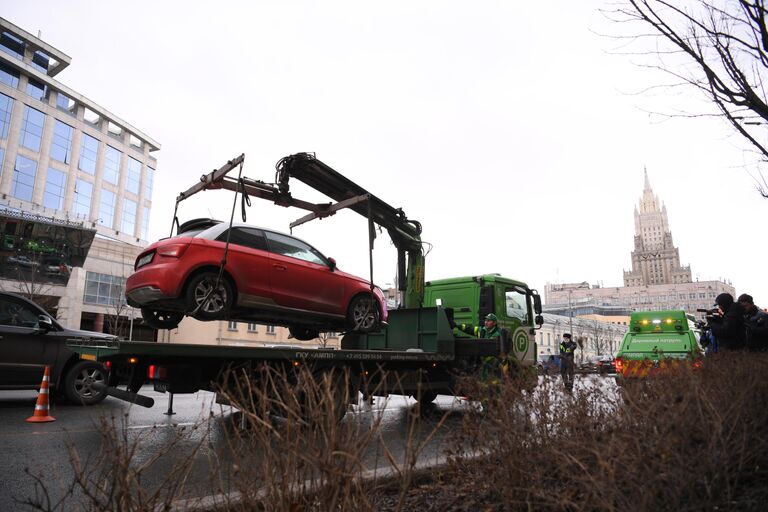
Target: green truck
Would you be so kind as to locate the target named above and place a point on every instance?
(418, 353)
(656, 343)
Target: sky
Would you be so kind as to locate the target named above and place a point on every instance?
(517, 133)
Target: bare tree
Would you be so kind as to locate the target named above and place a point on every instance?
(719, 49)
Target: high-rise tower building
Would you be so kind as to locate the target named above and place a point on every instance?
(655, 259)
(75, 188)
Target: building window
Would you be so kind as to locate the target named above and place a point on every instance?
(61, 147)
(252, 327)
(89, 148)
(129, 217)
(107, 208)
(55, 184)
(32, 128)
(36, 90)
(12, 45)
(145, 224)
(41, 61)
(9, 76)
(134, 176)
(24, 178)
(104, 289)
(112, 159)
(65, 103)
(83, 194)
(231, 326)
(148, 181)
(6, 106)
(270, 329)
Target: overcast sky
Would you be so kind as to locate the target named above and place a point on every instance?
(511, 130)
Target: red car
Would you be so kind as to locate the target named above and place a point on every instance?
(268, 277)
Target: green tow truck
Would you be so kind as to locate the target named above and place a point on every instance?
(418, 353)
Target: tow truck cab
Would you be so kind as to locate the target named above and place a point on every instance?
(657, 342)
(517, 307)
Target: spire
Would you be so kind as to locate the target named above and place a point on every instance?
(647, 183)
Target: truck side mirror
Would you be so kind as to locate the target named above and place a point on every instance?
(537, 304)
(539, 320)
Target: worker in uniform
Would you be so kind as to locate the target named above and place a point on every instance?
(490, 329)
(493, 367)
(567, 348)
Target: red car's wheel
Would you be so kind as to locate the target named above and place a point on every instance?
(161, 319)
(209, 296)
(363, 314)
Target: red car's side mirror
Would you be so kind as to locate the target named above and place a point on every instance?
(332, 264)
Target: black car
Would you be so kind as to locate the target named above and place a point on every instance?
(31, 339)
(605, 364)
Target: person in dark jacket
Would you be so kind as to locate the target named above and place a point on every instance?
(756, 323)
(567, 348)
(727, 325)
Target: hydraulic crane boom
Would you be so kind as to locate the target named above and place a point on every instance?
(305, 167)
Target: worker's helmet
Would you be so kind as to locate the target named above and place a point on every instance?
(491, 316)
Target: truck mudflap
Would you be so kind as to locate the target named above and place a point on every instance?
(127, 396)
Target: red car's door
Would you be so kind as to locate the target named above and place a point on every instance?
(302, 277)
(248, 262)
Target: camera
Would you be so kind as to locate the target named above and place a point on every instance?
(711, 314)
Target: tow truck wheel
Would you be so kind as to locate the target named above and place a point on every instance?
(78, 381)
(161, 319)
(215, 298)
(303, 333)
(363, 314)
(426, 397)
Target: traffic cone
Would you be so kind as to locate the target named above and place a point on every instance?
(41, 407)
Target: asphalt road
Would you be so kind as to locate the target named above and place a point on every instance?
(44, 449)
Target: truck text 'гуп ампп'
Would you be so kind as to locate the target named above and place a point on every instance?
(418, 353)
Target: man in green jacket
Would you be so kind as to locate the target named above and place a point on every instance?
(489, 330)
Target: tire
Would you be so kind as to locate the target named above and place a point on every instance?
(78, 380)
(363, 314)
(303, 333)
(161, 319)
(216, 304)
(426, 397)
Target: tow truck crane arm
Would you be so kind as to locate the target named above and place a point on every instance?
(305, 167)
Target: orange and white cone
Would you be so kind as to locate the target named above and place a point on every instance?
(41, 407)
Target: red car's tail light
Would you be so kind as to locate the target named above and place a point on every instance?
(172, 250)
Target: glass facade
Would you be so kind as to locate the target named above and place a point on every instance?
(6, 107)
(129, 217)
(83, 193)
(107, 208)
(112, 159)
(55, 184)
(24, 178)
(89, 149)
(134, 176)
(9, 76)
(104, 289)
(36, 89)
(65, 103)
(12, 45)
(148, 183)
(32, 128)
(145, 224)
(40, 61)
(61, 147)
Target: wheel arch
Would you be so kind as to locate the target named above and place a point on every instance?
(210, 268)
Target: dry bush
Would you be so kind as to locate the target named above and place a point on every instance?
(121, 473)
(692, 440)
(293, 450)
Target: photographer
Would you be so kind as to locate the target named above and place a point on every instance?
(727, 323)
(756, 323)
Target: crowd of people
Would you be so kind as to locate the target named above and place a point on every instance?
(735, 325)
